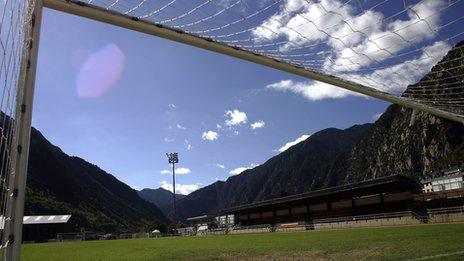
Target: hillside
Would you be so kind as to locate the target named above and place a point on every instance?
(160, 196)
(61, 184)
(293, 171)
(401, 141)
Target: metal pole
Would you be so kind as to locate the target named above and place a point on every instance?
(24, 100)
(133, 23)
(174, 194)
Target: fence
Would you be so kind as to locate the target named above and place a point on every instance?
(446, 215)
(439, 215)
(375, 220)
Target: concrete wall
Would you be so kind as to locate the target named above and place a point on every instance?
(396, 221)
(446, 217)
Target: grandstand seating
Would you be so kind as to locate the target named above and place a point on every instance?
(446, 215)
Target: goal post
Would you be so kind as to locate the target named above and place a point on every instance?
(111, 17)
(17, 141)
(16, 188)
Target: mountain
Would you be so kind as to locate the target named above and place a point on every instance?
(62, 184)
(404, 141)
(293, 171)
(160, 196)
(401, 141)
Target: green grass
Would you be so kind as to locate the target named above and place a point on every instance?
(352, 244)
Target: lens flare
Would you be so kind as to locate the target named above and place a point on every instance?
(100, 72)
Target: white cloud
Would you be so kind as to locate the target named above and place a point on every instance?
(377, 116)
(218, 126)
(210, 135)
(184, 189)
(180, 127)
(291, 143)
(311, 90)
(238, 170)
(236, 132)
(236, 118)
(352, 39)
(188, 146)
(384, 79)
(257, 125)
(179, 171)
(220, 166)
(182, 171)
(168, 139)
(409, 72)
(242, 169)
(172, 106)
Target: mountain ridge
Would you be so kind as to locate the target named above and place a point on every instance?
(265, 181)
(160, 196)
(402, 141)
(61, 184)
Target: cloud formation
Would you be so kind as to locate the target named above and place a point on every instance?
(292, 143)
(166, 139)
(236, 117)
(210, 135)
(188, 146)
(179, 171)
(384, 79)
(183, 189)
(311, 90)
(220, 166)
(376, 116)
(257, 125)
(239, 170)
(354, 39)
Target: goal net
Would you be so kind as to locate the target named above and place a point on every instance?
(15, 15)
(376, 48)
(379, 48)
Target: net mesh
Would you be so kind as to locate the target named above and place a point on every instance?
(14, 15)
(383, 44)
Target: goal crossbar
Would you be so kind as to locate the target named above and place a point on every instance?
(111, 17)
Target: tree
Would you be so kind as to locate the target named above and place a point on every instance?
(156, 224)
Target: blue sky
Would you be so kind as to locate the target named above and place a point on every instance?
(121, 100)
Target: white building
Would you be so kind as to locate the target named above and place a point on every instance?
(452, 179)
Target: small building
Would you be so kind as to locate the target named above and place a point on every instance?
(155, 233)
(445, 180)
(225, 220)
(45, 228)
(202, 223)
(186, 231)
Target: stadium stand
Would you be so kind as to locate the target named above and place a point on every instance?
(388, 201)
(446, 215)
(387, 194)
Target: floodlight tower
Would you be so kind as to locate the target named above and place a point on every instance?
(173, 158)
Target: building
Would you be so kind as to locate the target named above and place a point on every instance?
(203, 223)
(445, 180)
(225, 220)
(386, 194)
(45, 228)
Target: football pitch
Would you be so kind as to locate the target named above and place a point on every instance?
(426, 242)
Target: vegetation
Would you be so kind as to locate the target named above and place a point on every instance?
(353, 244)
(61, 184)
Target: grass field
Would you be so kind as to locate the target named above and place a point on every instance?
(434, 241)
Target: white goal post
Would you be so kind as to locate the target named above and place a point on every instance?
(16, 187)
(103, 15)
